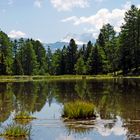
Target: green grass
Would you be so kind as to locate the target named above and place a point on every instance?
(15, 131)
(25, 78)
(78, 110)
(23, 115)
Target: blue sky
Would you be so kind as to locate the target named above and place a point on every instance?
(51, 20)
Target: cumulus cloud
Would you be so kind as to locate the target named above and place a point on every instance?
(66, 5)
(38, 3)
(16, 34)
(103, 16)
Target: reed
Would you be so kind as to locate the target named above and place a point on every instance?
(78, 110)
(15, 131)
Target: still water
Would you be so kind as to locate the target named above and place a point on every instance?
(117, 104)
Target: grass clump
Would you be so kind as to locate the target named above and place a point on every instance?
(23, 115)
(16, 131)
(78, 110)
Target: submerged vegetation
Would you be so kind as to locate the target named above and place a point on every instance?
(78, 110)
(16, 131)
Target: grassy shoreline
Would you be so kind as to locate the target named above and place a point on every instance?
(59, 78)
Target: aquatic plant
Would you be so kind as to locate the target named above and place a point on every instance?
(23, 115)
(78, 110)
(15, 131)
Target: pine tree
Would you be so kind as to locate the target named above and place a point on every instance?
(49, 60)
(6, 56)
(71, 57)
(129, 41)
(94, 62)
(40, 56)
(29, 64)
(17, 67)
(80, 67)
(56, 62)
(106, 41)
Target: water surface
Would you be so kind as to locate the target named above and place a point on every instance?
(117, 104)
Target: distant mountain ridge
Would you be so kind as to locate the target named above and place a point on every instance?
(56, 45)
(80, 39)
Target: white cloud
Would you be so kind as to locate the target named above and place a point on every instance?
(103, 16)
(66, 5)
(73, 18)
(10, 2)
(39, 40)
(38, 3)
(127, 5)
(115, 17)
(138, 6)
(16, 34)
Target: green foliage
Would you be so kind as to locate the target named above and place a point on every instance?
(57, 62)
(107, 42)
(6, 59)
(40, 56)
(80, 67)
(17, 67)
(71, 57)
(49, 60)
(94, 62)
(29, 61)
(78, 110)
(15, 131)
(130, 41)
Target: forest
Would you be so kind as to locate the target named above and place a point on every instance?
(112, 53)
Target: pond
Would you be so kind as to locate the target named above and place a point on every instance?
(117, 105)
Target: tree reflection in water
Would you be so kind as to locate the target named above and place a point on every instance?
(112, 98)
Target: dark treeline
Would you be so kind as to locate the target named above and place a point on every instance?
(112, 53)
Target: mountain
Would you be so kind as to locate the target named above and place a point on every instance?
(80, 39)
(56, 45)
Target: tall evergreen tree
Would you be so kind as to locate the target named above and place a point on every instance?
(94, 62)
(49, 60)
(129, 41)
(56, 62)
(80, 66)
(71, 57)
(6, 56)
(17, 67)
(88, 50)
(106, 41)
(29, 64)
(63, 60)
(40, 55)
